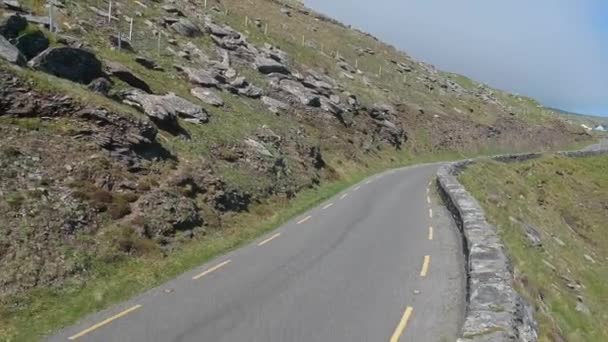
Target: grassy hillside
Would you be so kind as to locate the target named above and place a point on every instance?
(95, 186)
(551, 214)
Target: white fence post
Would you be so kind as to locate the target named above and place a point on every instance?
(110, 12)
(131, 29)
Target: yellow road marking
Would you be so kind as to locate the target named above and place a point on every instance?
(214, 268)
(327, 206)
(402, 324)
(431, 213)
(431, 233)
(107, 321)
(269, 239)
(343, 196)
(357, 188)
(425, 266)
(304, 219)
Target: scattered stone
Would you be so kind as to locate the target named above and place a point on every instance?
(173, 10)
(217, 30)
(286, 12)
(379, 111)
(208, 96)
(121, 42)
(101, 13)
(533, 235)
(10, 53)
(70, 41)
(200, 77)
(100, 85)
(122, 73)
(13, 5)
(346, 67)
(258, 147)
(148, 63)
(274, 105)
(581, 307)
(187, 28)
(164, 109)
(267, 65)
(589, 258)
(242, 87)
(559, 241)
(306, 96)
(76, 65)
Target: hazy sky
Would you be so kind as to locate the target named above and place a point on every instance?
(553, 50)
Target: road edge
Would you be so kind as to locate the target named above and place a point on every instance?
(494, 309)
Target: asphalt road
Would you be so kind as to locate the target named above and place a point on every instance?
(363, 266)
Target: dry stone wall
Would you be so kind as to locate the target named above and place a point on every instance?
(495, 311)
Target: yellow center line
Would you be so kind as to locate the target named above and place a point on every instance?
(425, 266)
(214, 268)
(304, 219)
(344, 196)
(431, 233)
(431, 213)
(402, 324)
(269, 239)
(327, 206)
(107, 321)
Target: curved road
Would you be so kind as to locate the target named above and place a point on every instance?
(363, 266)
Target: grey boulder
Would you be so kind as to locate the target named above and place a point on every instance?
(267, 65)
(303, 94)
(164, 109)
(274, 105)
(76, 65)
(200, 77)
(10, 53)
(208, 96)
(187, 28)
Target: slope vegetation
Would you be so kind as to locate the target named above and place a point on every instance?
(551, 214)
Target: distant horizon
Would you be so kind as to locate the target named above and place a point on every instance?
(498, 44)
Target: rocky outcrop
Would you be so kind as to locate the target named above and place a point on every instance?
(186, 28)
(166, 213)
(76, 65)
(127, 140)
(268, 65)
(164, 109)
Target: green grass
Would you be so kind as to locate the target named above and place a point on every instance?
(566, 201)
